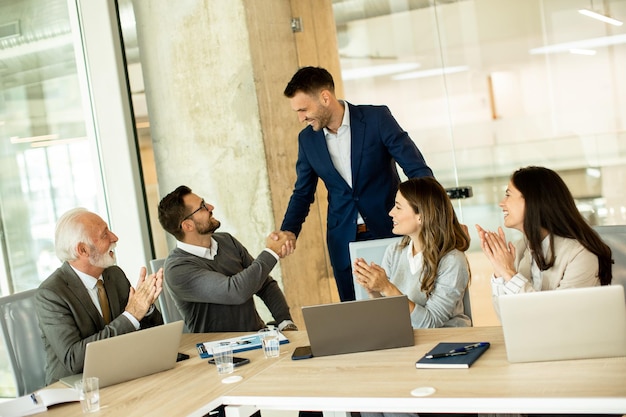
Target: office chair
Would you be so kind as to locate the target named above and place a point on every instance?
(615, 237)
(373, 251)
(22, 339)
(168, 308)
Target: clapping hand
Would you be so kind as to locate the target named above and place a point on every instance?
(500, 253)
(148, 289)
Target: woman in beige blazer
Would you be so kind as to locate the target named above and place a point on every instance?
(559, 249)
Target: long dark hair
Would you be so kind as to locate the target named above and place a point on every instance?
(549, 205)
(441, 231)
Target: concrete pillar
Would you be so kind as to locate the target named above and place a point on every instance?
(214, 73)
(204, 118)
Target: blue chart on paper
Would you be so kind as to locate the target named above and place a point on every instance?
(239, 344)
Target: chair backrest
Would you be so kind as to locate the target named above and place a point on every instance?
(168, 308)
(615, 237)
(23, 342)
(373, 251)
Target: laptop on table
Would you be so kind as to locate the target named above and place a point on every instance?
(359, 326)
(578, 323)
(131, 355)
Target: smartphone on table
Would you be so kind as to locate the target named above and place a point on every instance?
(302, 352)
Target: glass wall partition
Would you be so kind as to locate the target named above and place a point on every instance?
(485, 87)
(48, 163)
(65, 125)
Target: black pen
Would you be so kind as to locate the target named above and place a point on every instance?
(444, 355)
(469, 347)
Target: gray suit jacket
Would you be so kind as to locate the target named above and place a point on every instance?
(69, 320)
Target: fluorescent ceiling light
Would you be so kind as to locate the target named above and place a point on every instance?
(377, 70)
(582, 51)
(45, 140)
(593, 172)
(17, 139)
(583, 44)
(56, 142)
(429, 73)
(36, 46)
(601, 17)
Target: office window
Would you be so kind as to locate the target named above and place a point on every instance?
(485, 87)
(68, 138)
(49, 160)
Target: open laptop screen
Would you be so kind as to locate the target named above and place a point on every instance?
(358, 326)
(579, 323)
(131, 355)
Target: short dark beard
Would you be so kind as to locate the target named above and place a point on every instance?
(209, 228)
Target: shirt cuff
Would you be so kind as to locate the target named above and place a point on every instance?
(286, 323)
(274, 254)
(132, 319)
(497, 286)
(515, 284)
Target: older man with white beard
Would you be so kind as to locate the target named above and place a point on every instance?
(89, 298)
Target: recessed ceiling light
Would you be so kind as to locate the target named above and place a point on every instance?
(377, 70)
(601, 17)
(430, 73)
(578, 51)
(592, 43)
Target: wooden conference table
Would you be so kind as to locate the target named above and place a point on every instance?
(370, 381)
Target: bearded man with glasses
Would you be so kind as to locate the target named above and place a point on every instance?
(212, 277)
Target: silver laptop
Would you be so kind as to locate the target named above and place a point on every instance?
(358, 326)
(580, 323)
(131, 355)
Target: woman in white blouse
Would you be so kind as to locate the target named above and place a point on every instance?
(428, 264)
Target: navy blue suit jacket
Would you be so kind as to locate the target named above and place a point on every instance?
(377, 143)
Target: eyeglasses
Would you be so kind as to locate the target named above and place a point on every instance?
(202, 206)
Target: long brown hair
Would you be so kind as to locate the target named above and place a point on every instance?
(441, 231)
(549, 205)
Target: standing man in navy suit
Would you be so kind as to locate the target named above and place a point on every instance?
(354, 150)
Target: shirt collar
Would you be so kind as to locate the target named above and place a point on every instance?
(88, 281)
(415, 262)
(345, 121)
(201, 251)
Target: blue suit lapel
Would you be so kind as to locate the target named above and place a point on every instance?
(318, 153)
(357, 134)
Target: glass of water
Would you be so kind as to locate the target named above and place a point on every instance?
(89, 394)
(271, 342)
(223, 355)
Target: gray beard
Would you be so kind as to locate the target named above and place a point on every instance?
(102, 260)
